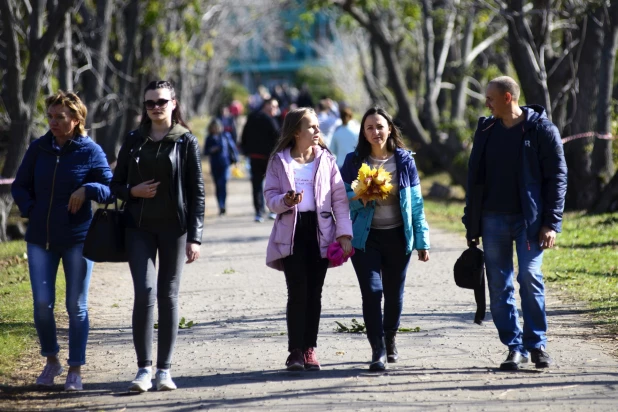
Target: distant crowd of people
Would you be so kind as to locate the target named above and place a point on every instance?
(267, 112)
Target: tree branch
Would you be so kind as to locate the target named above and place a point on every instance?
(482, 46)
(13, 63)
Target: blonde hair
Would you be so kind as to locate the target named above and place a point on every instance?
(72, 102)
(291, 126)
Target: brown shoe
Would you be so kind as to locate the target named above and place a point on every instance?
(296, 360)
(311, 360)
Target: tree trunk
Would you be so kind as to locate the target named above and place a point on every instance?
(532, 77)
(602, 159)
(65, 56)
(23, 95)
(97, 40)
(608, 200)
(112, 142)
(583, 187)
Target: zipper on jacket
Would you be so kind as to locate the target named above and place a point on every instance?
(51, 199)
(141, 212)
(139, 222)
(317, 215)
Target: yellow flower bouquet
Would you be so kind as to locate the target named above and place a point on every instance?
(372, 184)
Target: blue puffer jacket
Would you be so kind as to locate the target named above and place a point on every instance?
(410, 199)
(542, 174)
(45, 181)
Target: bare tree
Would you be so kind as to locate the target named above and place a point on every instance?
(22, 89)
(602, 162)
(388, 32)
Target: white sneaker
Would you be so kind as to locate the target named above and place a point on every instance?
(164, 381)
(73, 383)
(51, 370)
(142, 381)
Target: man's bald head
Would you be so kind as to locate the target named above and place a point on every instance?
(506, 84)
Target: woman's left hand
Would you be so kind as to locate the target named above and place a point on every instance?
(423, 255)
(193, 252)
(77, 200)
(346, 244)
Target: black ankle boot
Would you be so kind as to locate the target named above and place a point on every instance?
(378, 355)
(391, 347)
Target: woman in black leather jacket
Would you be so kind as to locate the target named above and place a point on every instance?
(159, 175)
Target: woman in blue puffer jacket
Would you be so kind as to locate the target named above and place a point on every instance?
(385, 231)
(60, 174)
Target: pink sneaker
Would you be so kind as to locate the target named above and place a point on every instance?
(311, 360)
(296, 360)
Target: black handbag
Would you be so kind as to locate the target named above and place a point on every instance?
(105, 239)
(469, 273)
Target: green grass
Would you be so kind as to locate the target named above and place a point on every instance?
(583, 265)
(17, 334)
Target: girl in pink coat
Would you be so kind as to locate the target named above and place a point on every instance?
(304, 188)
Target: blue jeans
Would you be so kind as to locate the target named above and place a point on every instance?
(381, 271)
(43, 265)
(220, 178)
(498, 233)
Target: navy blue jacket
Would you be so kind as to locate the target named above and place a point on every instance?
(542, 174)
(225, 152)
(45, 181)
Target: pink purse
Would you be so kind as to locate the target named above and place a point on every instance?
(335, 254)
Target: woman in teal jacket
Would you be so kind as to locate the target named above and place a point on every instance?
(385, 231)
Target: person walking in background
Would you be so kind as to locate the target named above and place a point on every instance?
(304, 187)
(385, 231)
(159, 175)
(525, 207)
(221, 150)
(228, 122)
(345, 137)
(259, 137)
(328, 116)
(60, 174)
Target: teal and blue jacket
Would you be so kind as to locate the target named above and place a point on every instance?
(410, 200)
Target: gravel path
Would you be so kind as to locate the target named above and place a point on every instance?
(233, 359)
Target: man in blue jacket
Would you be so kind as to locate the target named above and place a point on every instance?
(517, 179)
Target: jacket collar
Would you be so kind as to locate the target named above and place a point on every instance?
(73, 144)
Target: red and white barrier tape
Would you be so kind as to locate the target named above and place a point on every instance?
(606, 136)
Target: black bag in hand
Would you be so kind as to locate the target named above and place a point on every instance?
(105, 239)
(470, 274)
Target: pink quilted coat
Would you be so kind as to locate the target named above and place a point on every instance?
(330, 197)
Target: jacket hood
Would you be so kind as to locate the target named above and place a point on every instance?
(285, 154)
(175, 133)
(534, 113)
(404, 154)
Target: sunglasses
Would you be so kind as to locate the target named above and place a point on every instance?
(151, 104)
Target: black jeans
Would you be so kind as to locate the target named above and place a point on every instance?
(304, 272)
(258, 171)
(142, 248)
(381, 270)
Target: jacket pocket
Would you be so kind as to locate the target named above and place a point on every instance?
(283, 229)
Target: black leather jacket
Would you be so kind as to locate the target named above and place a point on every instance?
(187, 177)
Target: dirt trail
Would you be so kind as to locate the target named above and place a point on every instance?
(233, 358)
